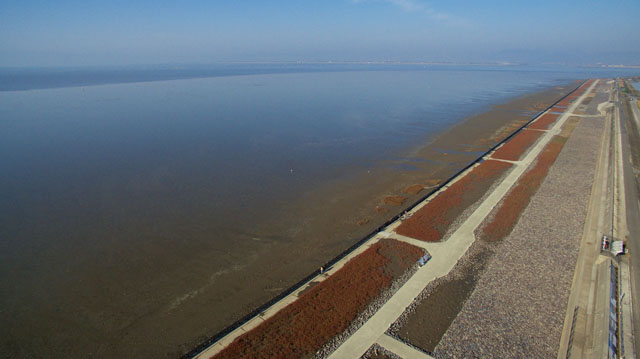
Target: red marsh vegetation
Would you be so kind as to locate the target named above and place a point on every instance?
(432, 221)
(508, 212)
(577, 93)
(566, 102)
(327, 309)
(544, 122)
(517, 146)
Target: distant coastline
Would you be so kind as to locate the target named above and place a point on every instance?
(38, 78)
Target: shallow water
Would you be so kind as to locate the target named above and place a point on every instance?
(124, 202)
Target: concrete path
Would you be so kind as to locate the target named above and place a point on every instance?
(633, 220)
(445, 255)
(400, 348)
(578, 321)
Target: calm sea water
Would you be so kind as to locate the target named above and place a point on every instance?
(102, 181)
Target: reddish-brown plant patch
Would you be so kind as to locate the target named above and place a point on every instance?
(543, 122)
(518, 199)
(394, 200)
(431, 222)
(516, 146)
(566, 102)
(577, 93)
(414, 189)
(327, 309)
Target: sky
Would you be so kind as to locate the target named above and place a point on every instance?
(116, 32)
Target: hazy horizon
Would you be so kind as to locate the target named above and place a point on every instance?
(74, 33)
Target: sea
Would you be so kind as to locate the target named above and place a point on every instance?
(122, 187)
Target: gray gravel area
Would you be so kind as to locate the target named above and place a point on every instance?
(378, 352)
(427, 318)
(519, 303)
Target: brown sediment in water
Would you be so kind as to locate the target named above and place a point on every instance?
(394, 200)
(380, 209)
(414, 189)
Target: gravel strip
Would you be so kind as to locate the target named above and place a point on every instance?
(378, 352)
(518, 305)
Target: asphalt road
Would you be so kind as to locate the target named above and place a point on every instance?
(631, 137)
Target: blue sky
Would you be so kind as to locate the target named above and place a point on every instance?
(69, 32)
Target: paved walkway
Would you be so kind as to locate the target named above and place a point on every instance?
(400, 348)
(444, 254)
